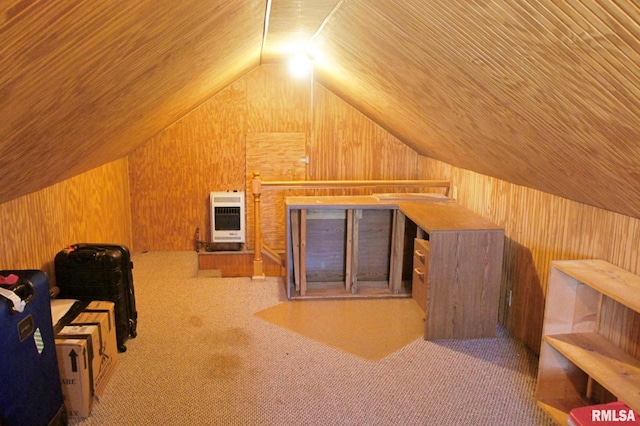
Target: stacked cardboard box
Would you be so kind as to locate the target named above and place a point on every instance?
(87, 356)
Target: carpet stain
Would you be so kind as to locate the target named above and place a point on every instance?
(196, 321)
(235, 337)
(223, 366)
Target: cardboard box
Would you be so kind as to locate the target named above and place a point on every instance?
(74, 350)
(101, 314)
(87, 353)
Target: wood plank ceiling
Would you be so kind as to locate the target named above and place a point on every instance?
(84, 82)
(543, 94)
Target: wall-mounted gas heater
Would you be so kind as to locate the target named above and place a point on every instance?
(227, 217)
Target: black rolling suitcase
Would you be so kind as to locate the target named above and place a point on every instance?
(30, 390)
(100, 272)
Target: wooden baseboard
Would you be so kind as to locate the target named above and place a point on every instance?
(237, 263)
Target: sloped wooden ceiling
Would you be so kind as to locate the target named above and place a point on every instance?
(84, 82)
(290, 26)
(542, 93)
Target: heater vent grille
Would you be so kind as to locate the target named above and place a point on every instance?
(227, 217)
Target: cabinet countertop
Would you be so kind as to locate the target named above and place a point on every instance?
(434, 213)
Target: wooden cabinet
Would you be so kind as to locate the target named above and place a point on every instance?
(590, 350)
(444, 256)
(458, 270)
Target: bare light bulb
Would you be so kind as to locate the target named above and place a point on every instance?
(300, 65)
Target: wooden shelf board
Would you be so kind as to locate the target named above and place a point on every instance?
(616, 283)
(616, 370)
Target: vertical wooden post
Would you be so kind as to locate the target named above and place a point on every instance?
(256, 186)
(355, 231)
(303, 252)
(397, 252)
(348, 270)
(294, 224)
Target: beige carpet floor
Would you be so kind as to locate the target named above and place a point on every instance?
(203, 357)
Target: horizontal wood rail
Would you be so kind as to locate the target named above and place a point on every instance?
(257, 185)
(329, 184)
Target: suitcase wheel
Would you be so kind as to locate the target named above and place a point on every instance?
(132, 329)
(122, 348)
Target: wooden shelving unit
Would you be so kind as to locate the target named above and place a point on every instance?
(590, 350)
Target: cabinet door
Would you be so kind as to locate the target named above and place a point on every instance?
(420, 281)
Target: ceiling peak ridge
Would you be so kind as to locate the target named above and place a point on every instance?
(265, 31)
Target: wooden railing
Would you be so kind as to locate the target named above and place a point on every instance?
(257, 185)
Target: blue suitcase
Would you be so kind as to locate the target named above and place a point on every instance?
(30, 390)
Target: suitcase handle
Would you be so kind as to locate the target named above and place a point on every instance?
(83, 255)
(18, 295)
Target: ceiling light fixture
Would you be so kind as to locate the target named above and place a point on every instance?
(300, 65)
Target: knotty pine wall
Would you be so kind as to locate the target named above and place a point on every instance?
(539, 228)
(173, 174)
(90, 207)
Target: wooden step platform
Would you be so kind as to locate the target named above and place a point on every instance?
(237, 263)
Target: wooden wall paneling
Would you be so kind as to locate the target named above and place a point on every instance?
(277, 157)
(173, 174)
(21, 221)
(348, 145)
(100, 205)
(164, 198)
(277, 102)
(621, 325)
(71, 221)
(91, 207)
